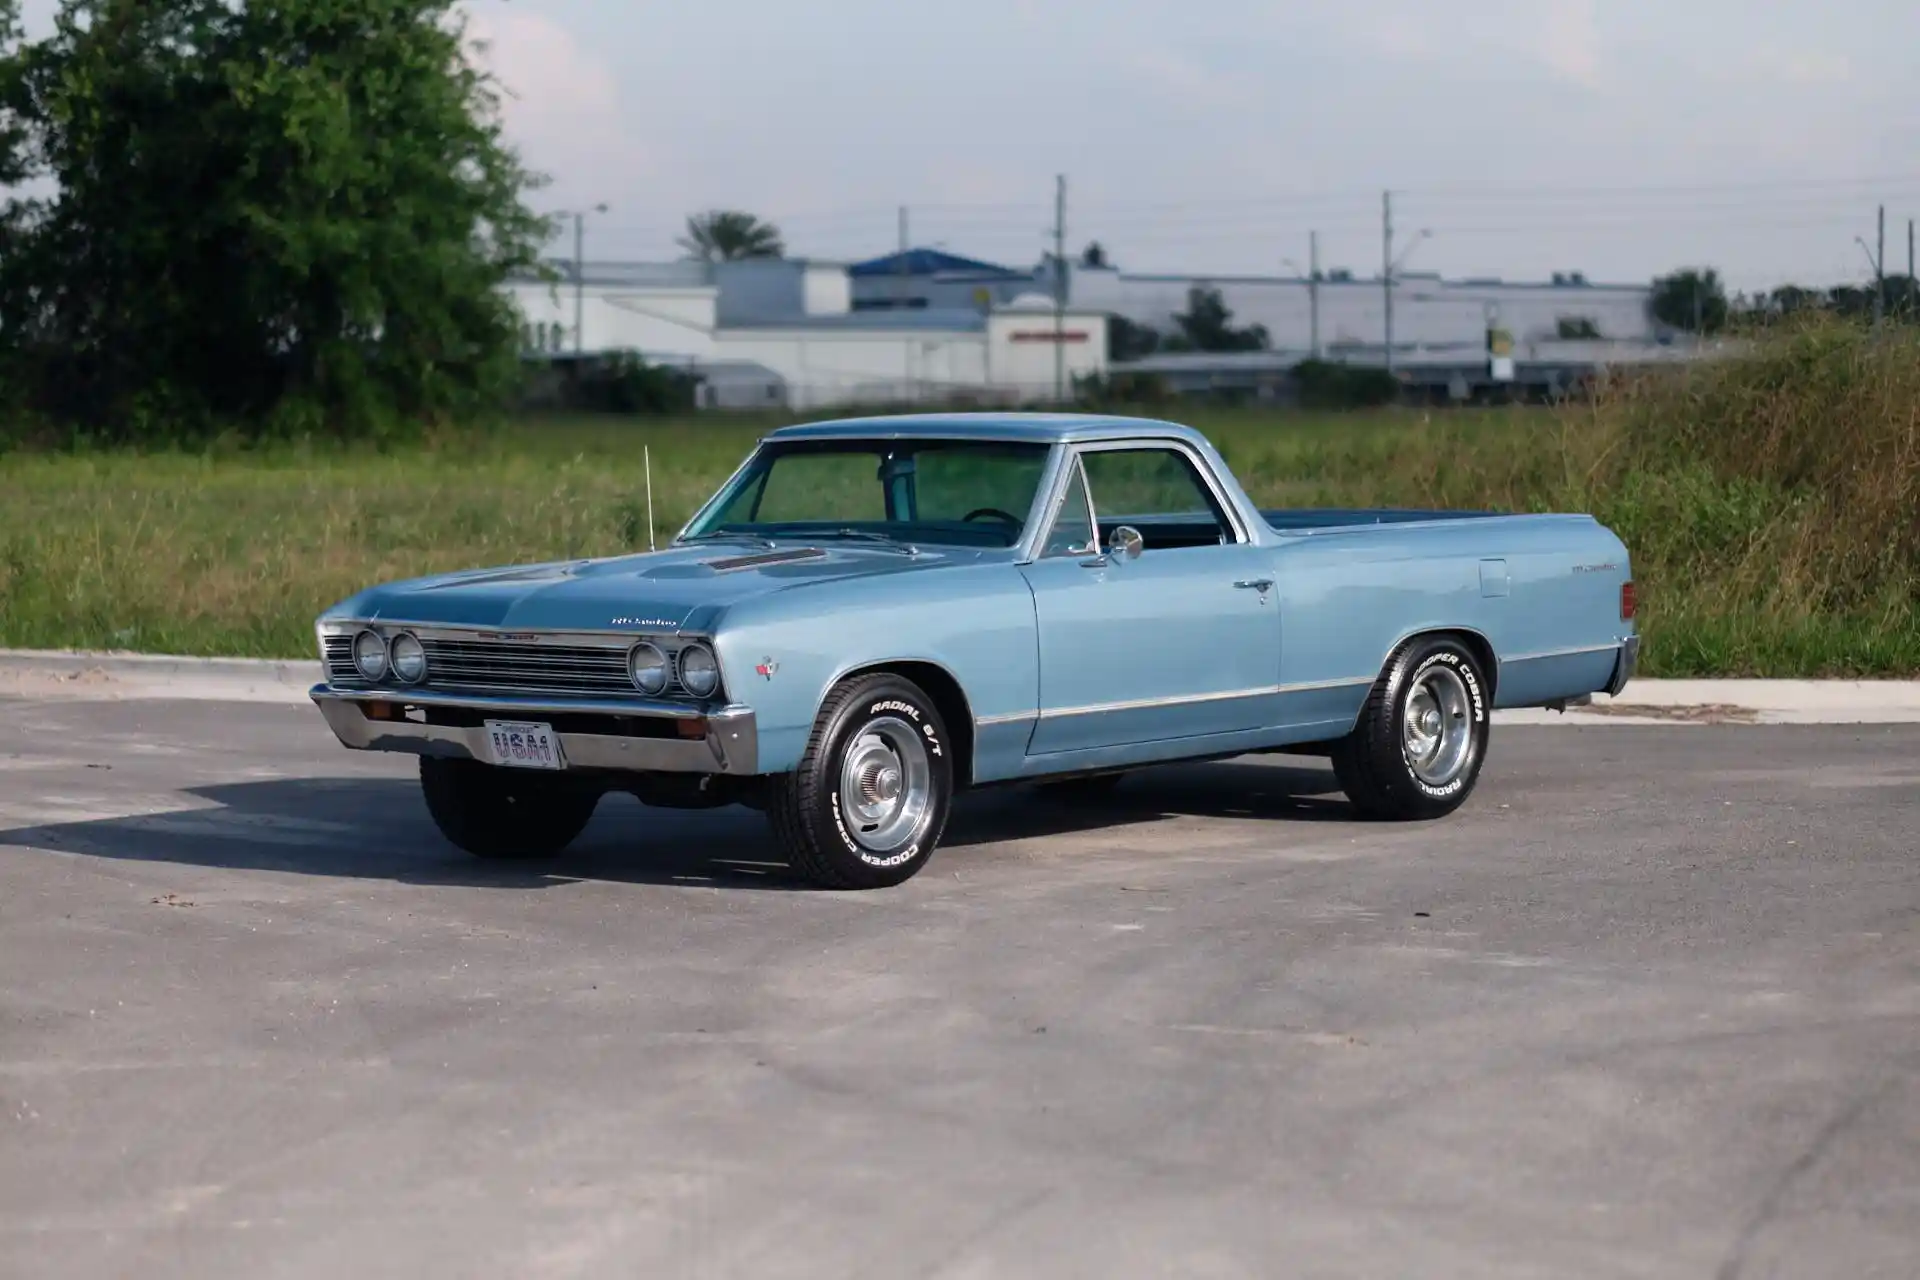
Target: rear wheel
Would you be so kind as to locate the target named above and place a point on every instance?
(499, 813)
(1422, 737)
(869, 800)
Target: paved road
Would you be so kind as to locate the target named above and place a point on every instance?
(1649, 1007)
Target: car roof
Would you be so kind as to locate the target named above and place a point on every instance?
(1031, 428)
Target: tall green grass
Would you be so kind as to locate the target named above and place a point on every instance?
(1771, 504)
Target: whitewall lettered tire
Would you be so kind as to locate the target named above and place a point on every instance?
(1422, 737)
(869, 800)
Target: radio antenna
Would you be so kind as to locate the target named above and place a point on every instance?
(646, 454)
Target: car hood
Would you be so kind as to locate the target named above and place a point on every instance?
(680, 587)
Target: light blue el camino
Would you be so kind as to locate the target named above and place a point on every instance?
(873, 615)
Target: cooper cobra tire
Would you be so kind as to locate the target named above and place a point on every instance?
(497, 813)
(868, 802)
(1422, 737)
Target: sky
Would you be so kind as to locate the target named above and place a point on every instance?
(1620, 138)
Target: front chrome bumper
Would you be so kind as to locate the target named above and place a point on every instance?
(638, 736)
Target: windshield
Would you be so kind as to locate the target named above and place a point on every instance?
(961, 492)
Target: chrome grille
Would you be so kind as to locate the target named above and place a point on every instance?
(493, 666)
(482, 665)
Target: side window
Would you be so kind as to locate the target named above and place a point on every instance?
(1161, 491)
(1072, 531)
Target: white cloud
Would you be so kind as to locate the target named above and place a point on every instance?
(1803, 66)
(1560, 36)
(560, 102)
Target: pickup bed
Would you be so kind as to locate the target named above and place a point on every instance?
(873, 615)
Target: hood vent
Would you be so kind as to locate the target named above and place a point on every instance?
(765, 558)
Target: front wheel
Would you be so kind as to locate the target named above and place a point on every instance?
(1422, 737)
(869, 799)
(498, 813)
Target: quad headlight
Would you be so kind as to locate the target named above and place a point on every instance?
(408, 658)
(699, 670)
(648, 668)
(370, 656)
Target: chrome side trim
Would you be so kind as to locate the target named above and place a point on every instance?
(1148, 704)
(1311, 686)
(1561, 653)
(731, 744)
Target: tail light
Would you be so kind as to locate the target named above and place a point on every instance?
(1629, 603)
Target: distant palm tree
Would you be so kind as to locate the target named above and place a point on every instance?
(726, 235)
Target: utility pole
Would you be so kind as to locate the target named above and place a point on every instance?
(1060, 288)
(1313, 290)
(579, 278)
(900, 267)
(1386, 266)
(1880, 274)
(579, 285)
(1390, 265)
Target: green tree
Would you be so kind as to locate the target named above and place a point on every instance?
(1127, 340)
(1207, 325)
(728, 235)
(283, 214)
(1693, 300)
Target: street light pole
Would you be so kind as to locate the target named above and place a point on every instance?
(1391, 265)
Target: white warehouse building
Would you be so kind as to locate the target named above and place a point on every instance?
(1428, 311)
(785, 331)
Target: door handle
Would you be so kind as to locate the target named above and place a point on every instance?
(1255, 584)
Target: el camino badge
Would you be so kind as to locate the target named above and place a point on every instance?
(660, 624)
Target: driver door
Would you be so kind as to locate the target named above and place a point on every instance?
(1178, 641)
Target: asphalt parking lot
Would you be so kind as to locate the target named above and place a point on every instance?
(1650, 1006)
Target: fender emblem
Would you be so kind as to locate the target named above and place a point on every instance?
(765, 668)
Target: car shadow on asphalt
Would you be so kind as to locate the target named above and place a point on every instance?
(377, 828)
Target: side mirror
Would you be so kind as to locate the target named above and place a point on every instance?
(1125, 543)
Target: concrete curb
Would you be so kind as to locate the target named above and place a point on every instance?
(35, 673)
(106, 676)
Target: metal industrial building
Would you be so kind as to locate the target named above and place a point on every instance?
(787, 329)
(925, 325)
(1351, 312)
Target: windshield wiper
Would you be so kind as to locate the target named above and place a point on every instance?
(868, 535)
(729, 536)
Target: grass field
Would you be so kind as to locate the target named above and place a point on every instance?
(1760, 549)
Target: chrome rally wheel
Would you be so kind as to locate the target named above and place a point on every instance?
(1437, 726)
(886, 787)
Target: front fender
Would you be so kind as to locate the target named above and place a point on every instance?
(783, 654)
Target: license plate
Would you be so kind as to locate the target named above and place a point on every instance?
(519, 745)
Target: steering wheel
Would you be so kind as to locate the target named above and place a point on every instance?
(995, 512)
